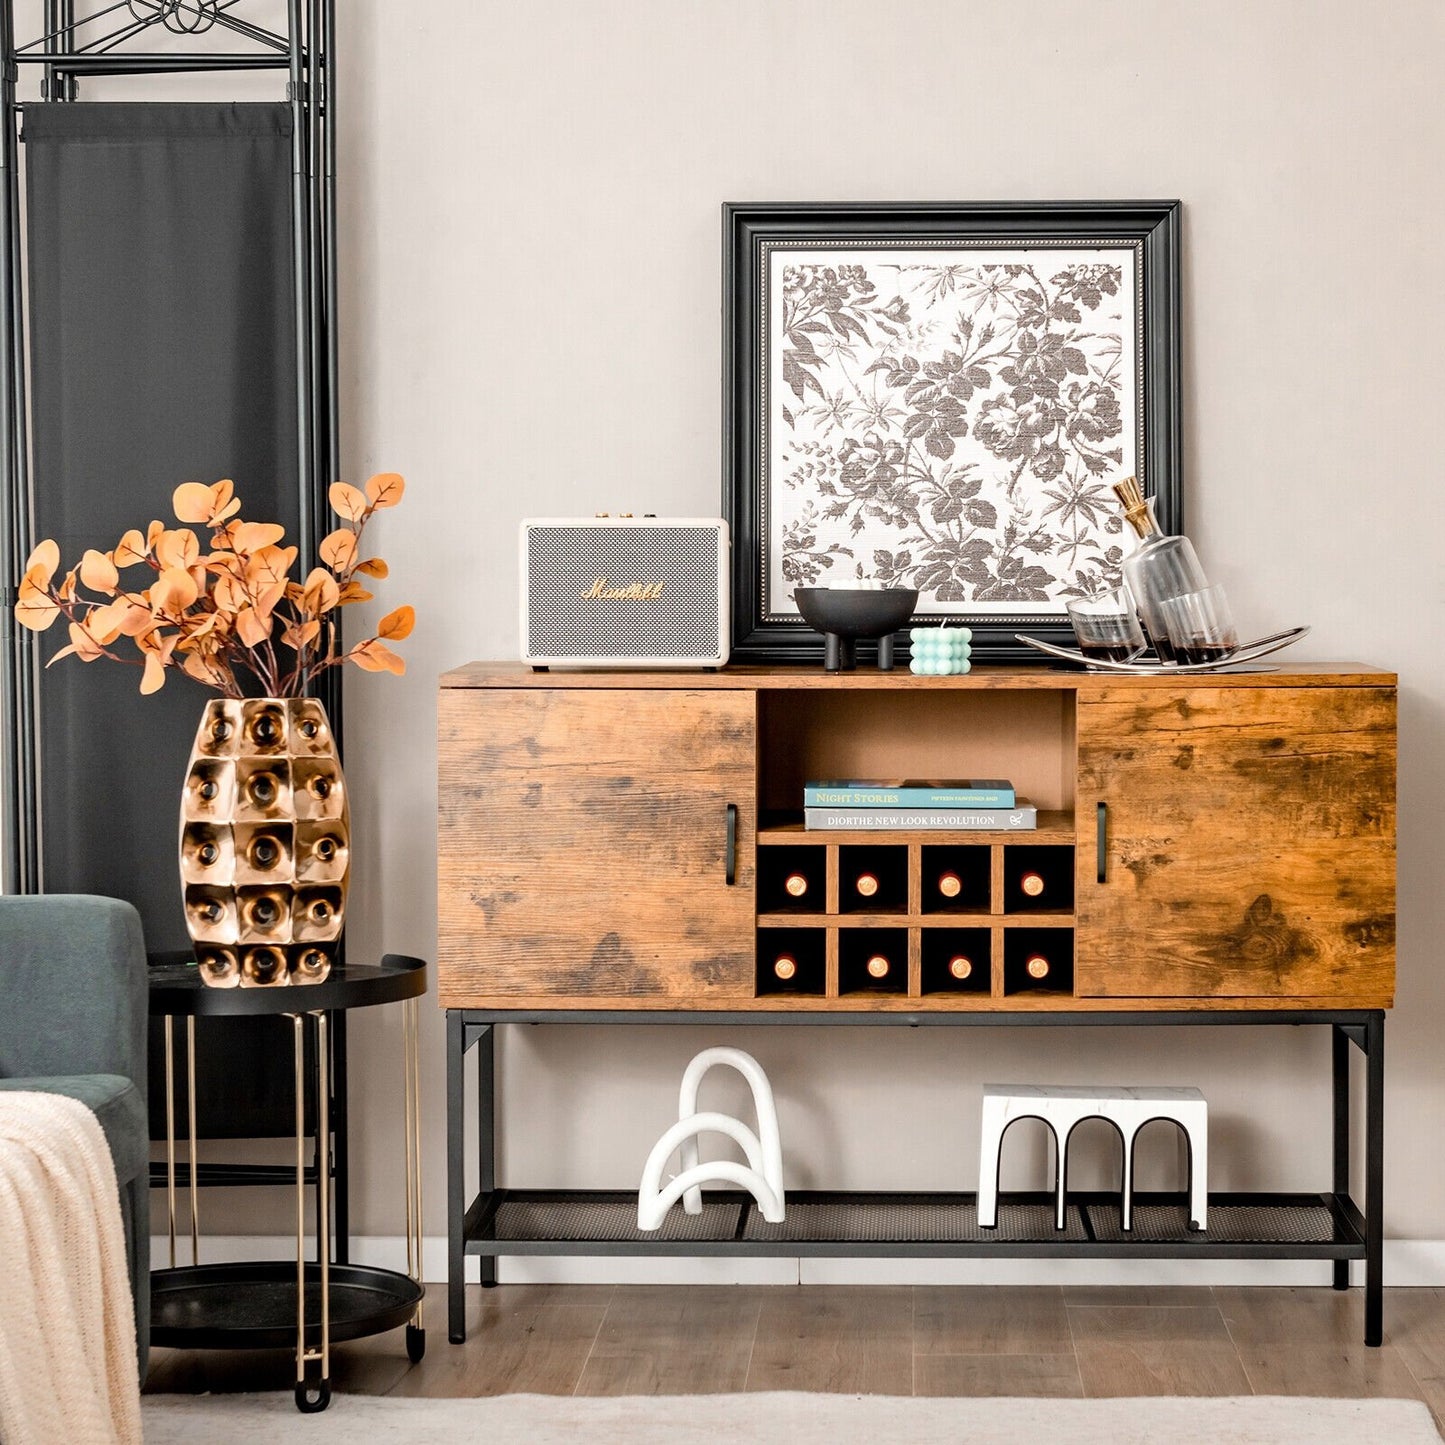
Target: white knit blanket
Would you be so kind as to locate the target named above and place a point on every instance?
(67, 1328)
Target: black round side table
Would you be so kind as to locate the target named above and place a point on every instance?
(273, 1304)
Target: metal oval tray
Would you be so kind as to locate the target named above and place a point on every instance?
(1245, 652)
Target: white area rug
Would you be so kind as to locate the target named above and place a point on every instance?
(795, 1419)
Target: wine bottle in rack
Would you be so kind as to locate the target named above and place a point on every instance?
(873, 960)
(872, 879)
(791, 880)
(1039, 879)
(960, 967)
(956, 878)
(1039, 958)
(792, 960)
(785, 968)
(956, 960)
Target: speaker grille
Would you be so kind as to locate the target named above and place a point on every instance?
(563, 563)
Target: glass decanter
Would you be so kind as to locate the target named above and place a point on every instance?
(1161, 567)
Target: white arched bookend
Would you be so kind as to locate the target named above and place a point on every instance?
(761, 1176)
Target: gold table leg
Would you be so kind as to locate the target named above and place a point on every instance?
(306, 1401)
(191, 1108)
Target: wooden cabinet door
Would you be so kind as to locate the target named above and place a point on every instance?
(582, 848)
(1250, 843)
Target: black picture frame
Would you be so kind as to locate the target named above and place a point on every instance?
(1150, 230)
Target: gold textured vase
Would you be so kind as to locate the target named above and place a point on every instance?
(265, 843)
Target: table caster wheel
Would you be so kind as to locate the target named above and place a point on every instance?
(415, 1344)
(305, 1389)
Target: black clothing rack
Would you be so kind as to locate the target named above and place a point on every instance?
(105, 43)
(140, 38)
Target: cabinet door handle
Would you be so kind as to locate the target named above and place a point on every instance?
(732, 853)
(1102, 842)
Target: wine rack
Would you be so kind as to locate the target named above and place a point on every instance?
(953, 920)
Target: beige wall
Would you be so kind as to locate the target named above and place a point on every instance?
(530, 279)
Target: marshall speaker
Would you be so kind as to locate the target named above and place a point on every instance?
(625, 592)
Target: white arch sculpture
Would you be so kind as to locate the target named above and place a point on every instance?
(761, 1176)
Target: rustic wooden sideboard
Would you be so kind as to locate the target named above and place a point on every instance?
(1218, 848)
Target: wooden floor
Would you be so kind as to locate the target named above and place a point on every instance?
(945, 1340)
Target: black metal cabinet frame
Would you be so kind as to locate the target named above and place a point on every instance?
(500, 1221)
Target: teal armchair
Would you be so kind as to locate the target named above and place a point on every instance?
(73, 1021)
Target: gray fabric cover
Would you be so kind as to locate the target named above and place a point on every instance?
(115, 1101)
(73, 1020)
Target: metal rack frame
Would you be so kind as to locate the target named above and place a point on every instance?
(103, 43)
(478, 1226)
(119, 39)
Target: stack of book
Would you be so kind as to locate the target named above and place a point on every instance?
(967, 805)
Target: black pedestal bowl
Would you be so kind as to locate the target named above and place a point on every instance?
(845, 614)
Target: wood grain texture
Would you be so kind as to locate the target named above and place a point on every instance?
(976, 1376)
(1033, 1001)
(581, 846)
(673, 1342)
(841, 1338)
(1153, 1350)
(525, 1339)
(557, 1339)
(1251, 852)
(1054, 826)
(1018, 734)
(1349, 1371)
(990, 1320)
(803, 679)
(1251, 844)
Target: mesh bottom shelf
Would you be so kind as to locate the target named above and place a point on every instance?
(609, 1218)
(1301, 1226)
(912, 1222)
(1293, 1223)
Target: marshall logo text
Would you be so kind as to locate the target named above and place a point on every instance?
(634, 592)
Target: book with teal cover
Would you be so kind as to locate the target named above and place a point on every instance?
(911, 793)
(879, 820)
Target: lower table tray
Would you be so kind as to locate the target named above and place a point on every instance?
(253, 1305)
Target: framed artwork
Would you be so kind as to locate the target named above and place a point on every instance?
(940, 396)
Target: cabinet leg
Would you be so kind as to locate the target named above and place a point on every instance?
(487, 1131)
(1374, 1176)
(1340, 1059)
(456, 1190)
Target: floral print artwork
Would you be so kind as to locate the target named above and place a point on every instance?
(949, 418)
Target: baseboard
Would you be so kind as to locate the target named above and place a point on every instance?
(1406, 1262)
